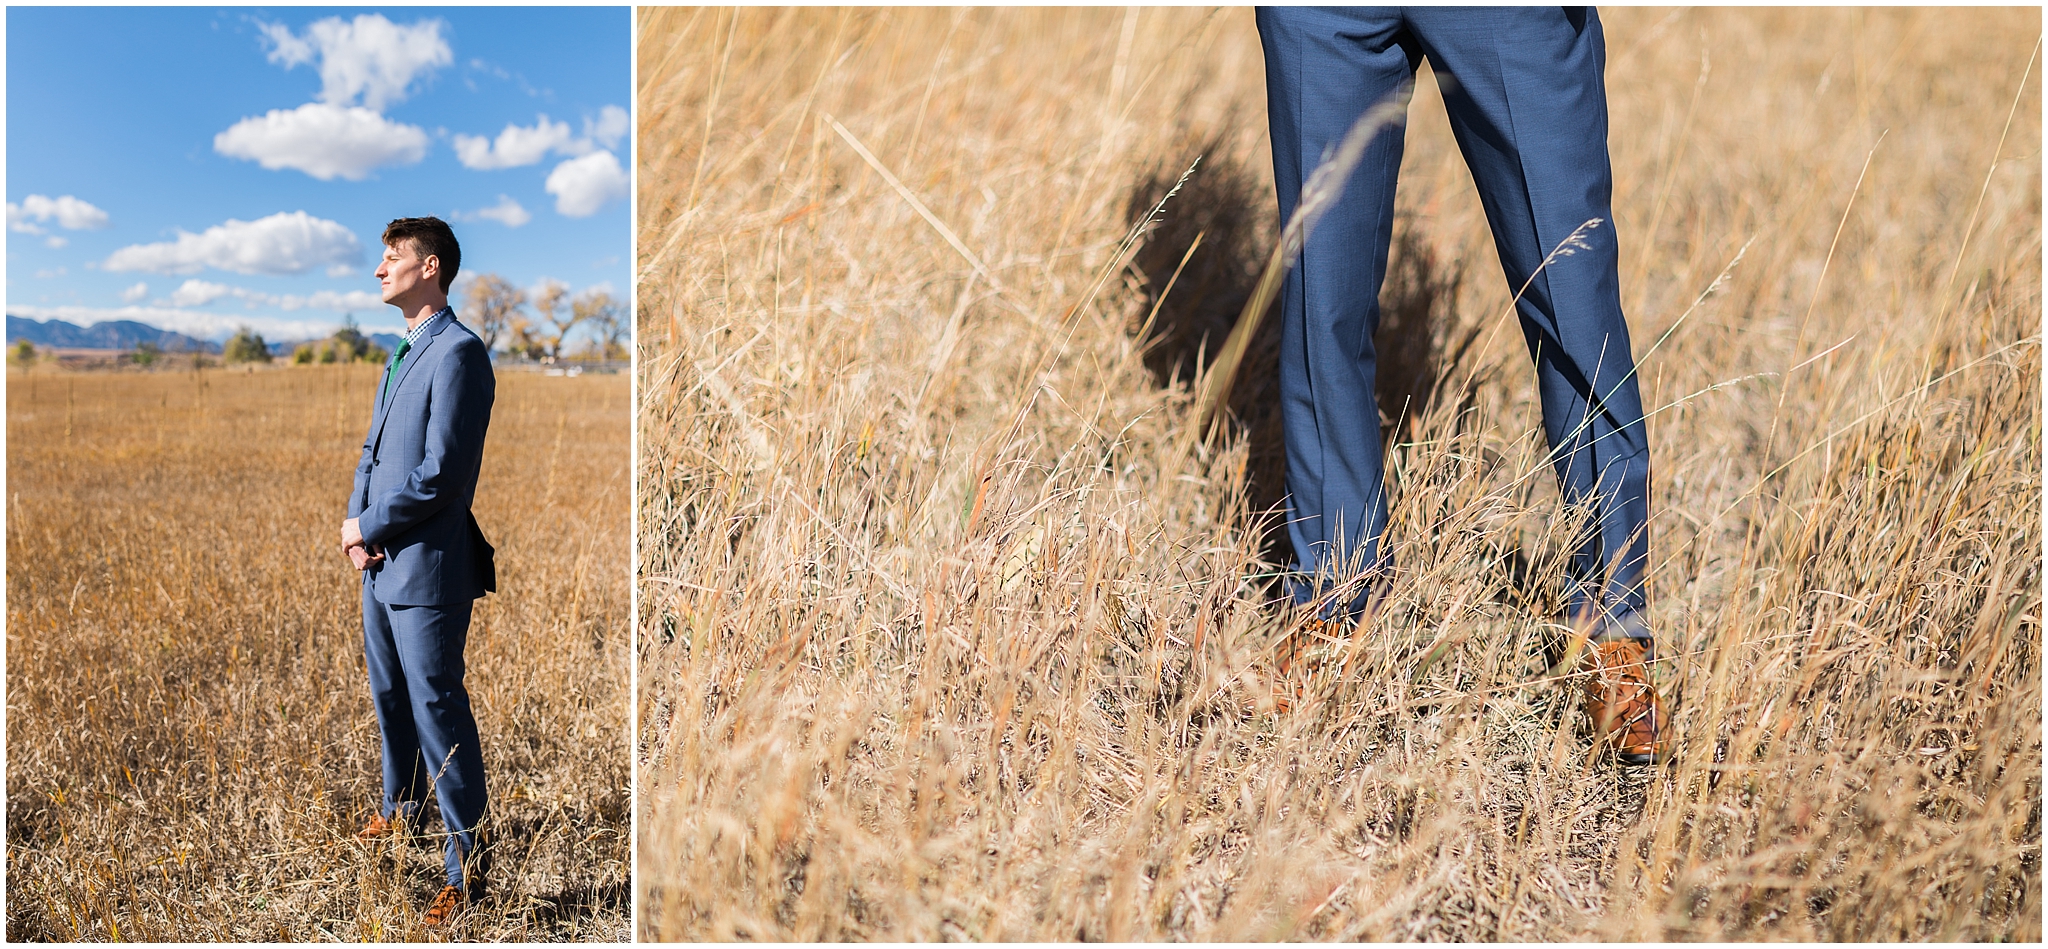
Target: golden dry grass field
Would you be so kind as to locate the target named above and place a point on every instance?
(190, 742)
(950, 627)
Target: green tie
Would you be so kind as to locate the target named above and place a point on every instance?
(397, 359)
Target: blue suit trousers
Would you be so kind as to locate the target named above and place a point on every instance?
(430, 736)
(1528, 105)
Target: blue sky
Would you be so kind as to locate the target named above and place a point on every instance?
(199, 169)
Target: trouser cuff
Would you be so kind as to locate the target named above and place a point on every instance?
(1628, 626)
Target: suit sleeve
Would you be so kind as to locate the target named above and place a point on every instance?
(458, 414)
(362, 480)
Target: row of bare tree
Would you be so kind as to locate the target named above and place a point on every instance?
(498, 311)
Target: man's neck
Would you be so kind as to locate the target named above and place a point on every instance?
(423, 312)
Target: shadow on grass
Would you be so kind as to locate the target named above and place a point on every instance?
(1192, 301)
(577, 909)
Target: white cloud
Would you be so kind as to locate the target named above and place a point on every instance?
(582, 185)
(198, 324)
(507, 212)
(283, 243)
(286, 47)
(369, 59)
(517, 145)
(338, 301)
(199, 293)
(55, 241)
(135, 293)
(520, 145)
(365, 65)
(323, 140)
(341, 270)
(612, 124)
(69, 212)
(47, 273)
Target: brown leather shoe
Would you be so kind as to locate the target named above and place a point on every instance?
(1626, 711)
(446, 904)
(378, 827)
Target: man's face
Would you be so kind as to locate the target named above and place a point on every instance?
(404, 272)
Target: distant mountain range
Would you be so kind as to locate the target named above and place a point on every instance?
(114, 334)
(128, 334)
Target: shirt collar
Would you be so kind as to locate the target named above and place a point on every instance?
(412, 337)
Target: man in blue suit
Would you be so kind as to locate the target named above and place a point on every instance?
(1528, 104)
(423, 558)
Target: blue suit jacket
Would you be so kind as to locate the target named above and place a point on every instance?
(416, 480)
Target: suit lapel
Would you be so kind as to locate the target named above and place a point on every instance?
(389, 394)
(383, 400)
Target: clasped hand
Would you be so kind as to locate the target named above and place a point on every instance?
(360, 552)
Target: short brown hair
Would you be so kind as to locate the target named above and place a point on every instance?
(430, 236)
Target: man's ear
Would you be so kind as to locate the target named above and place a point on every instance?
(430, 265)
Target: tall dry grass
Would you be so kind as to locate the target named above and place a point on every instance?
(950, 628)
(190, 743)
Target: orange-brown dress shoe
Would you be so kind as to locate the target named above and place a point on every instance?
(446, 904)
(1626, 711)
(378, 827)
